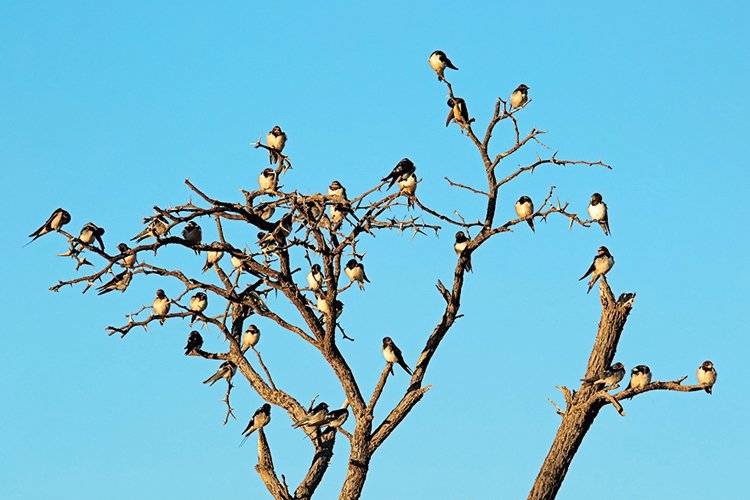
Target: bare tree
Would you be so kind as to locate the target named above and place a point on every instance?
(320, 233)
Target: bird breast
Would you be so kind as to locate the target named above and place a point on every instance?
(597, 212)
(603, 264)
(706, 377)
(389, 355)
(354, 274)
(640, 380)
(524, 210)
(161, 306)
(436, 63)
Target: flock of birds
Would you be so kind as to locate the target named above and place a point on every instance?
(402, 174)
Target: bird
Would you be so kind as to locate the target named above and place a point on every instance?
(336, 191)
(260, 419)
(264, 210)
(458, 113)
(408, 185)
(238, 262)
(401, 170)
(267, 180)
(213, 256)
(640, 376)
(194, 342)
(520, 96)
(337, 417)
(315, 278)
(392, 354)
(314, 417)
(157, 227)
(56, 221)
(161, 305)
(461, 242)
(323, 306)
(198, 304)
(250, 338)
(439, 61)
(525, 210)
(225, 371)
(707, 375)
(276, 140)
(603, 262)
(356, 272)
(338, 212)
(118, 282)
(128, 259)
(91, 232)
(598, 212)
(609, 377)
(192, 234)
(267, 243)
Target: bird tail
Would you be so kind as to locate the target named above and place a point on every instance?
(390, 368)
(244, 439)
(709, 390)
(406, 367)
(206, 266)
(361, 286)
(530, 222)
(467, 264)
(212, 379)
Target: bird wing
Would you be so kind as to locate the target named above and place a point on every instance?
(450, 117)
(591, 270)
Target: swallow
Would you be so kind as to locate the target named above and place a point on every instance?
(525, 210)
(338, 212)
(250, 338)
(128, 259)
(603, 262)
(314, 417)
(238, 262)
(611, 376)
(91, 232)
(598, 212)
(640, 376)
(283, 228)
(356, 272)
(458, 113)
(267, 243)
(118, 282)
(213, 256)
(439, 61)
(276, 140)
(161, 305)
(225, 371)
(408, 185)
(264, 210)
(194, 342)
(55, 222)
(707, 375)
(520, 96)
(459, 246)
(156, 228)
(260, 419)
(336, 191)
(392, 354)
(402, 169)
(193, 235)
(323, 306)
(315, 278)
(267, 180)
(198, 304)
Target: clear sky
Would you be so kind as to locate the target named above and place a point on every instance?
(108, 107)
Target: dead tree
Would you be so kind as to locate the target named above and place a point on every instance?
(323, 229)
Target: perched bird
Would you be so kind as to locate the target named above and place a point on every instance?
(520, 96)
(314, 417)
(439, 61)
(213, 256)
(198, 304)
(156, 228)
(276, 140)
(315, 278)
(267, 180)
(640, 376)
(603, 262)
(324, 307)
(525, 210)
(336, 191)
(392, 354)
(161, 305)
(408, 185)
(194, 342)
(458, 113)
(264, 210)
(356, 272)
(225, 371)
(250, 338)
(128, 259)
(609, 377)
(459, 246)
(238, 262)
(119, 282)
(267, 243)
(338, 212)
(193, 235)
(707, 375)
(337, 417)
(401, 170)
(55, 222)
(260, 419)
(598, 212)
(91, 232)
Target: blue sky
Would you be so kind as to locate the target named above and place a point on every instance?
(107, 108)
